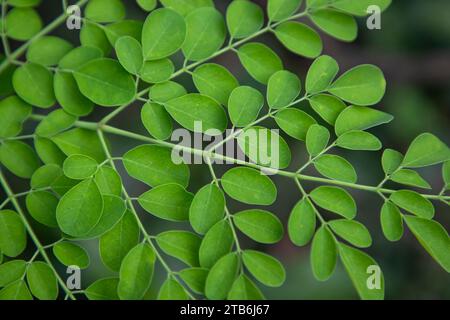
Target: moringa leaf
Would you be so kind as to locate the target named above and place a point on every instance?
(281, 9)
(317, 139)
(79, 167)
(54, 123)
(14, 112)
(413, 202)
(299, 38)
(391, 221)
(260, 225)
(221, 277)
(244, 18)
(282, 89)
(426, 150)
(323, 254)
(165, 91)
(265, 268)
(48, 50)
(328, 107)
(195, 278)
(294, 122)
(157, 71)
(336, 200)
(352, 231)
(182, 245)
(92, 35)
(410, 178)
(359, 140)
(336, 167)
(172, 290)
(391, 160)
(19, 158)
(42, 207)
(105, 10)
(216, 243)
(103, 289)
(156, 120)
(244, 289)
(320, 74)
(42, 281)
(186, 7)
(129, 53)
(16, 29)
(302, 222)
(207, 208)
(244, 105)
(360, 118)
(108, 181)
(71, 254)
(13, 237)
(12, 271)
(335, 23)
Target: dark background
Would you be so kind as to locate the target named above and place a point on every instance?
(413, 49)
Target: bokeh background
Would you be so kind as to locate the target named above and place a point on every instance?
(413, 49)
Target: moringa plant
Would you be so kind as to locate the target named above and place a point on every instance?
(77, 192)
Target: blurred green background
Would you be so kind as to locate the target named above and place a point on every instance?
(413, 49)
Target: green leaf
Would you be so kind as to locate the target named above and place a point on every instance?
(54, 123)
(42, 207)
(391, 221)
(14, 112)
(68, 95)
(201, 108)
(336, 167)
(265, 147)
(260, 225)
(48, 50)
(363, 85)
(360, 118)
(105, 10)
(42, 281)
(410, 178)
(24, 3)
(323, 254)
(80, 141)
(16, 29)
(433, 237)
(205, 33)
(80, 209)
(163, 92)
(299, 38)
(91, 35)
(156, 120)
(136, 272)
(132, 28)
(108, 181)
(182, 245)
(244, 289)
(294, 122)
(105, 82)
(11, 271)
(244, 105)
(337, 24)
(336, 200)
(45, 176)
(358, 264)
(113, 210)
(302, 222)
(195, 278)
(282, 89)
(320, 74)
(259, 60)
(19, 158)
(327, 107)
(185, 7)
(221, 277)
(391, 160)
(214, 81)
(281, 9)
(168, 201)
(265, 268)
(153, 165)
(16, 291)
(352, 231)
(116, 243)
(71, 254)
(62, 185)
(207, 208)
(359, 8)
(359, 140)
(426, 150)
(317, 139)
(129, 53)
(157, 70)
(103, 289)
(79, 167)
(79, 56)
(249, 186)
(216, 243)
(34, 84)
(244, 18)
(147, 5)
(413, 202)
(172, 290)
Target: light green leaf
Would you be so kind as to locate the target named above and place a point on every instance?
(391, 160)
(410, 178)
(327, 107)
(182, 245)
(108, 181)
(103, 289)
(221, 277)
(42, 207)
(131, 28)
(265, 268)
(113, 210)
(156, 120)
(299, 38)
(54, 123)
(260, 225)
(282, 89)
(157, 71)
(363, 85)
(244, 105)
(205, 33)
(16, 291)
(168, 201)
(244, 18)
(216, 243)
(188, 109)
(249, 186)
(337, 24)
(105, 82)
(129, 53)
(207, 208)
(105, 10)
(302, 222)
(214, 81)
(185, 7)
(48, 50)
(24, 3)
(391, 221)
(359, 8)
(16, 29)
(281, 9)
(136, 272)
(336, 200)
(45, 176)
(317, 139)
(352, 231)
(42, 281)
(14, 112)
(320, 74)
(244, 289)
(358, 140)
(79, 56)
(163, 92)
(91, 35)
(426, 150)
(147, 5)
(294, 122)
(71, 254)
(360, 118)
(195, 278)
(11, 271)
(336, 167)
(79, 167)
(413, 202)
(172, 290)
(259, 60)
(19, 158)
(68, 95)
(323, 254)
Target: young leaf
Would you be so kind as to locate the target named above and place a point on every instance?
(391, 221)
(136, 272)
(172, 290)
(244, 289)
(71, 254)
(336, 167)
(129, 53)
(352, 231)
(294, 122)
(244, 18)
(317, 139)
(426, 150)
(323, 254)
(359, 140)
(244, 105)
(299, 38)
(360, 118)
(54, 123)
(336, 200)
(216, 243)
(260, 225)
(19, 158)
(103, 289)
(320, 74)
(265, 268)
(157, 71)
(14, 112)
(413, 202)
(16, 291)
(337, 24)
(282, 89)
(410, 178)
(281, 9)
(391, 161)
(156, 120)
(13, 237)
(328, 107)
(168, 201)
(48, 50)
(302, 222)
(42, 207)
(16, 29)
(105, 10)
(207, 208)
(79, 167)
(221, 277)
(42, 281)
(249, 186)
(182, 245)
(11, 271)
(195, 278)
